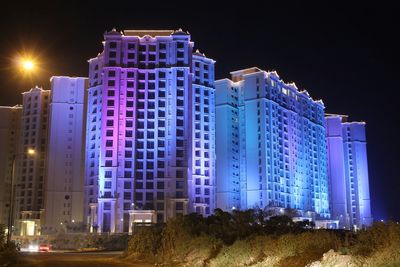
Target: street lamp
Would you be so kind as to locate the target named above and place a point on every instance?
(27, 64)
(30, 152)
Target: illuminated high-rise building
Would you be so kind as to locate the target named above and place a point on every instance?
(10, 126)
(66, 147)
(31, 168)
(348, 172)
(150, 136)
(270, 145)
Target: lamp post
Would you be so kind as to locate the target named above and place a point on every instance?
(11, 209)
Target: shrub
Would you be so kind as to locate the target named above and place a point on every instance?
(379, 245)
(8, 251)
(181, 244)
(145, 243)
(242, 253)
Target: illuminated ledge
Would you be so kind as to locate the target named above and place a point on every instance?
(152, 33)
(148, 216)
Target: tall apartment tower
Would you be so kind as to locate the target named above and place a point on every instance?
(150, 130)
(10, 125)
(65, 157)
(270, 144)
(31, 168)
(348, 172)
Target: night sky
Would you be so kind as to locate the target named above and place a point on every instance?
(346, 55)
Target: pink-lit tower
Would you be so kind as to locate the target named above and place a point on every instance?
(150, 137)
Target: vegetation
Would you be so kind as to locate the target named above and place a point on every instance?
(77, 241)
(8, 252)
(255, 238)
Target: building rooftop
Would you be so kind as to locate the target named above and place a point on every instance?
(152, 33)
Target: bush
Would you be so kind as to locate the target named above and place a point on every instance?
(8, 251)
(379, 245)
(247, 238)
(242, 253)
(96, 241)
(145, 243)
(180, 243)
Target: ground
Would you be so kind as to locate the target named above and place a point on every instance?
(57, 259)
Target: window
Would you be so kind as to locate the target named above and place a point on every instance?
(179, 206)
(108, 163)
(131, 46)
(111, 83)
(127, 195)
(180, 45)
(113, 44)
(107, 205)
(180, 185)
(107, 185)
(127, 185)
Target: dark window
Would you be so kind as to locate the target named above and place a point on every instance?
(109, 143)
(180, 45)
(179, 205)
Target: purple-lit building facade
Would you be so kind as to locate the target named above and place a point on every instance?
(150, 136)
(348, 172)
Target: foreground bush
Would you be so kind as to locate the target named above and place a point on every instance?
(145, 244)
(243, 252)
(379, 245)
(248, 239)
(8, 252)
(85, 241)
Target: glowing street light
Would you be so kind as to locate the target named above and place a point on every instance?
(31, 151)
(27, 64)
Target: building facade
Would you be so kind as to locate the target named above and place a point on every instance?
(31, 168)
(10, 125)
(150, 136)
(348, 172)
(64, 190)
(270, 145)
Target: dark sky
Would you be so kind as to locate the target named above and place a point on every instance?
(346, 55)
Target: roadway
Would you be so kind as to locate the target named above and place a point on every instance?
(69, 259)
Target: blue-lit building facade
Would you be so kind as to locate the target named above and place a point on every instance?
(150, 134)
(270, 145)
(348, 172)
